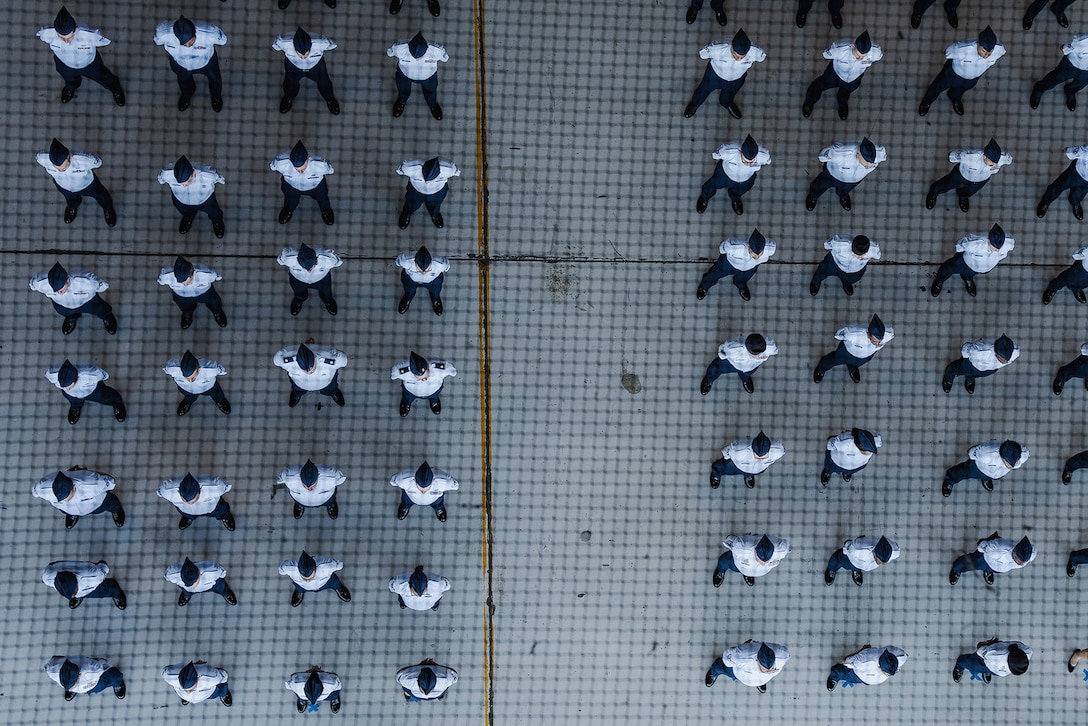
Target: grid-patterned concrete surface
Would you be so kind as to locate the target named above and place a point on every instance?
(581, 442)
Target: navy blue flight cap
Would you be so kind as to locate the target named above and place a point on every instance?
(67, 584)
(64, 23)
(749, 149)
(58, 277)
(184, 30)
(423, 258)
(761, 444)
(859, 245)
(189, 488)
(302, 40)
(424, 475)
(190, 573)
(62, 486)
(741, 44)
(309, 473)
(306, 257)
(189, 364)
(67, 374)
(417, 364)
(1004, 347)
(182, 269)
(863, 43)
(418, 580)
(299, 155)
(182, 170)
(188, 676)
(876, 328)
(58, 152)
(417, 46)
(305, 358)
(306, 564)
(757, 242)
(765, 656)
(992, 151)
(868, 150)
(431, 169)
(313, 688)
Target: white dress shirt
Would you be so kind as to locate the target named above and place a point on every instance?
(319, 45)
(856, 339)
(842, 159)
(967, 63)
(730, 157)
(413, 169)
(866, 663)
(417, 69)
(89, 575)
(739, 255)
(201, 184)
(846, 453)
(82, 287)
(211, 489)
(996, 656)
(979, 255)
(314, 173)
(973, 166)
(327, 362)
(725, 65)
(998, 554)
(193, 57)
(436, 586)
(1077, 51)
(741, 454)
(743, 547)
(326, 568)
(735, 352)
(206, 375)
(203, 277)
(847, 66)
(88, 491)
(440, 484)
(987, 457)
(842, 252)
(408, 678)
(88, 378)
(90, 671)
(80, 172)
(440, 370)
(328, 478)
(330, 683)
(326, 261)
(210, 573)
(208, 679)
(860, 552)
(407, 262)
(743, 661)
(80, 51)
(982, 356)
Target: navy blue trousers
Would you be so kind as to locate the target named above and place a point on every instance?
(948, 80)
(429, 86)
(969, 562)
(828, 80)
(209, 206)
(302, 289)
(95, 190)
(414, 199)
(187, 83)
(434, 287)
(1075, 277)
(319, 74)
(828, 268)
(721, 268)
(1057, 7)
(96, 70)
(840, 672)
(955, 265)
(720, 180)
(719, 367)
(96, 306)
(964, 470)
(210, 298)
(292, 196)
(1068, 180)
(101, 394)
(954, 180)
(713, 82)
(408, 503)
(841, 357)
(825, 181)
(839, 561)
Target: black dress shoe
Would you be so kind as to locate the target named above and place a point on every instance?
(331, 308)
(690, 110)
(285, 104)
(220, 319)
(954, 20)
(73, 415)
(296, 598)
(988, 484)
(437, 221)
(1078, 212)
(1040, 210)
(1078, 295)
(704, 386)
(226, 699)
(969, 384)
(338, 398)
(1071, 102)
(230, 597)
(120, 690)
(750, 482)
(224, 406)
(1047, 297)
(931, 201)
(700, 205)
(806, 110)
(184, 522)
(855, 376)
(857, 577)
(762, 689)
(330, 4)
(836, 20)
(1062, 20)
(436, 306)
(298, 510)
(436, 112)
(343, 593)
(120, 413)
(733, 110)
(1057, 388)
(228, 522)
(829, 576)
(398, 108)
(718, 579)
(70, 520)
(715, 482)
(988, 578)
(709, 680)
(844, 112)
(402, 511)
(218, 229)
(436, 406)
(1028, 20)
(184, 406)
(800, 19)
(749, 385)
(846, 476)
(923, 109)
(119, 517)
(745, 293)
(327, 216)
(333, 106)
(1067, 477)
(915, 21)
(402, 306)
(831, 683)
(700, 292)
(749, 581)
(969, 285)
(185, 226)
(300, 706)
(957, 106)
(69, 215)
(183, 599)
(953, 578)
(738, 206)
(845, 203)
(692, 15)
(433, 8)
(814, 289)
(405, 408)
(296, 306)
(293, 400)
(110, 216)
(183, 103)
(404, 220)
(946, 385)
(217, 104)
(334, 706)
(69, 324)
(285, 215)
(333, 510)
(284, 3)
(722, 20)
(1070, 569)
(848, 288)
(68, 695)
(67, 94)
(810, 202)
(1034, 100)
(394, 6)
(186, 320)
(817, 375)
(965, 204)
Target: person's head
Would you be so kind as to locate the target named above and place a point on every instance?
(864, 440)
(185, 31)
(987, 41)
(1023, 551)
(424, 476)
(755, 344)
(1004, 348)
(190, 366)
(307, 566)
(183, 171)
(749, 150)
(741, 44)
(765, 658)
(67, 374)
(64, 24)
(309, 474)
(58, 278)
(190, 573)
(764, 549)
(431, 167)
(888, 663)
(756, 243)
(427, 680)
(876, 330)
(183, 270)
(997, 237)
(867, 152)
(417, 581)
(419, 366)
(67, 584)
(882, 553)
(313, 688)
(305, 359)
(69, 674)
(189, 488)
(302, 42)
(417, 46)
(59, 155)
(423, 259)
(862, 45)
(307, 256)
(188, 676)
(992, 153)
(1010, 452)
(300, 158)
(761, 445)
(1018, 660)
(63, 487)
(859, 245)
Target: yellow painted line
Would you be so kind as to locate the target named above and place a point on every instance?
(483, 268)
